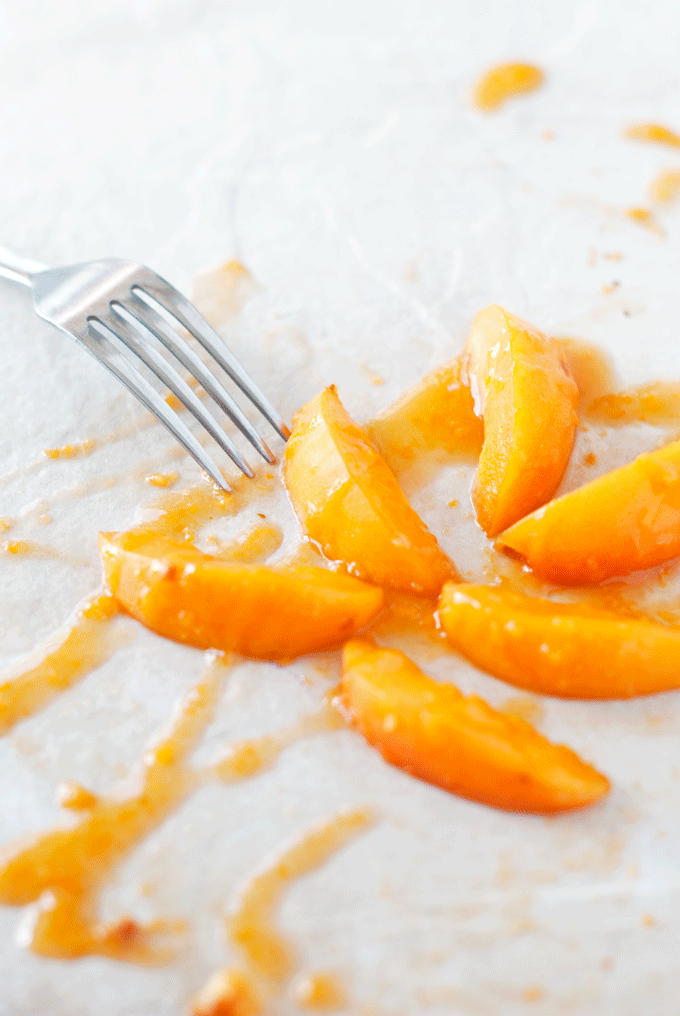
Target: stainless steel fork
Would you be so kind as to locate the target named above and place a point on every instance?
(115, 309)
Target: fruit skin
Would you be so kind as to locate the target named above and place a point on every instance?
(624, 521)
(349, 503)
(264, 612)
(459, 743)
(438, 413)
(570, 650)
(527, 397)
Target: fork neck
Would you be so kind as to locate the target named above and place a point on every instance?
(18, 269)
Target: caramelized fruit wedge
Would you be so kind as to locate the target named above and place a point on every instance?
(527, 398)
(350, 504)
(265, 612)
(437, 413)
(571, 650)
(621, 522)
(461, 744)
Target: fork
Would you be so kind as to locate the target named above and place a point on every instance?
(116, 309)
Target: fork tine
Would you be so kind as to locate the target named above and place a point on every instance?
(169, 300)
(126, 331)
(165, 333)
(98, 342)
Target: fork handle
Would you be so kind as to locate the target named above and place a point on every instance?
(18, 269)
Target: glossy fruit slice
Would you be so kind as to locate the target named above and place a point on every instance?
(349, 502)
(437, 413)
(571, 650)
(265, 612)
(527, 398)
(461, 744)
(621, 522)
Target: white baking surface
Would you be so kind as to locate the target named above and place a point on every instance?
(332, 148)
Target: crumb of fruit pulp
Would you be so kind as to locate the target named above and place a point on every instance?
(227, 993)
(505, 81)
(75, 797)
(645, 218)
(653, 132)
(70, 451)
(665, 187)
(162, 479)
(318, 991)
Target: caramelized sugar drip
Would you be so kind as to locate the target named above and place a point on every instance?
(657, 404)
(590, 368)
(253, 546)
(180, 515)
(252, 926)
(222, 292)
(162, 479)
(27, 548)
(437, 414)
(320, 990)
(122, 433)
(227, 993)
(72, 795)
(63, 871)
(246, 758)
(503, 82)
(80, 648)
(653, 132)
(665, 186)
(71, 451)
(409, 623)
(644, 217)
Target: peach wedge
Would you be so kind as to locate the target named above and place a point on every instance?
(349, 502)
(527, 398)
(459, 743)
(436, 414)
(570, 650)
(265, 612)
(626, 520)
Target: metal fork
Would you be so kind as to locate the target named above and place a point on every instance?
(115, 309)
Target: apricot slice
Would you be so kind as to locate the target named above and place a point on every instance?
(265, 612)
(570, 650)
(349, 502)
(504, 81)
(621, 522)
(437, 413)
(458, 743)
(523, 390)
